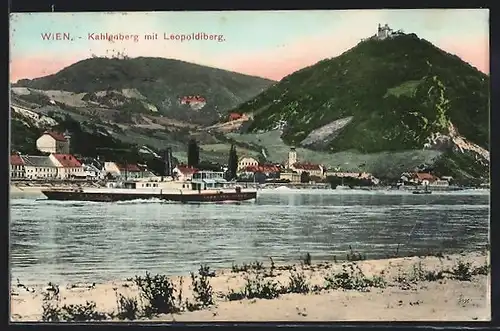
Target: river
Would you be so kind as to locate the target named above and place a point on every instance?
(67, 242)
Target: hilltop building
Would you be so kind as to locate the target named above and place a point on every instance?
(384, 32)
(194, 101)
(53, 142)
(234, 116)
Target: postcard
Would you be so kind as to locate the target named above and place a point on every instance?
(319, 165)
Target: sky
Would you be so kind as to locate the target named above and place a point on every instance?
(270, 44)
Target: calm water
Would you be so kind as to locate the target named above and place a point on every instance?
(84, 241)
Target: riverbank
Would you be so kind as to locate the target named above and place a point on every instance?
(35, 188)
(444, 288)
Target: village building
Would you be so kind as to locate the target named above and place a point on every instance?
(122, 171)
(130, 171)
(292, 158)
(234, 116)
(312, 169)
(92, 172)
(184, 172)
(92, 168)
(17, 169)
(53, 142)
(440, 183)
(68, 166)
(351, 174)
(447, 178)
(290, 176)
(419, 178)
(264, 171)
(246, 161)
(292, 164)
(39, 167)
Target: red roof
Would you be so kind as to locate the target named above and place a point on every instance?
(234, 116)
(186, 170)
(16, 160)
(56, 135)
(262, 168)
(425, 176)
(128, 167)
(306, 166)
(67, 160)
(193, 98)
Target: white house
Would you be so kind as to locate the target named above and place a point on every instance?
(184, 172)
(293, 177)
(53, 142)
(17, 168)
(39, 167)
(92, 172)
(312, 169)
(246, 161)
(126, 171)
(67, 165)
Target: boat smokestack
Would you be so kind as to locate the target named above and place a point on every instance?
(167, 158)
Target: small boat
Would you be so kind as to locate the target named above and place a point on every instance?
(424, 191)
(206, 186)
(342, 186)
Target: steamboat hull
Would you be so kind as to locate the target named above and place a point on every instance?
(183, 198)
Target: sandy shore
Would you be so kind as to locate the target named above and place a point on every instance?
(401, 299)
(33, 190)
(20, 188)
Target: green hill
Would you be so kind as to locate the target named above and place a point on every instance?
(391, 94)
(159, 82)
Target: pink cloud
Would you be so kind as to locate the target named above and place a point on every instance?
(273, 64)
(286, 59)
(37, 66)
(473, 50)
(280, 62)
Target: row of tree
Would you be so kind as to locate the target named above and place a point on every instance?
(193, 155)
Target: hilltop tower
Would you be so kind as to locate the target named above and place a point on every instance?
(292, 157)
(384, 32)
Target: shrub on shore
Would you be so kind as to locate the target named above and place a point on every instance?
(128, 308)
(52, 312)
(352, 278)
(202, 290)
(159, 295)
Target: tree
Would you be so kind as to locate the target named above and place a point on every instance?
(232, 163)
(206, 165)
(305, 177)
(193, 153)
